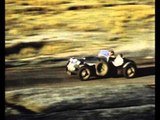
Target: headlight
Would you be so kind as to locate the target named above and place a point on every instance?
(74, 61)
(71, 59)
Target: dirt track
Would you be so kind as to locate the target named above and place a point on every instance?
(20, 77)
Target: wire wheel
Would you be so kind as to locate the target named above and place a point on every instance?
(84, 73)
(130, 71)
(101, 68)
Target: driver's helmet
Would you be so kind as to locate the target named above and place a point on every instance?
(111, 52)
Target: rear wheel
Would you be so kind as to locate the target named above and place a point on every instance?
(84, 73)
(101, 68)
(129, 71)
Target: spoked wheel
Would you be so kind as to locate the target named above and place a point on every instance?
(84, 73)
(129, 71)
(101, 69)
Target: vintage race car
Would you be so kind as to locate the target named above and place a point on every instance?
(101, 66)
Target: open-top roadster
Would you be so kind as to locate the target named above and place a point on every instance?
(101, 66)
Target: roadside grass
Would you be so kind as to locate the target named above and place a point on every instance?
(25, 52)
(20, 20)
(46, 49)
(114, 17)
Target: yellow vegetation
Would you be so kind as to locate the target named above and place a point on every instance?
(24, 18)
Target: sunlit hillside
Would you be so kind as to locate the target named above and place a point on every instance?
(73, 27)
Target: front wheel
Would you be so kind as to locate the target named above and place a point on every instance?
(129, 71)
(84, 73)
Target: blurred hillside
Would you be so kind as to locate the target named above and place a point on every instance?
(62, 28)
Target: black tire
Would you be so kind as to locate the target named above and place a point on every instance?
(130, 71)
(101, 68)
(84, 73)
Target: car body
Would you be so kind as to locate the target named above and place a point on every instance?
(101, 66)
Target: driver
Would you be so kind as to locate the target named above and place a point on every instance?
(111, 55)
(108, 54)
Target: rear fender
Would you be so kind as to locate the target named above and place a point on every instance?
(126, 64)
